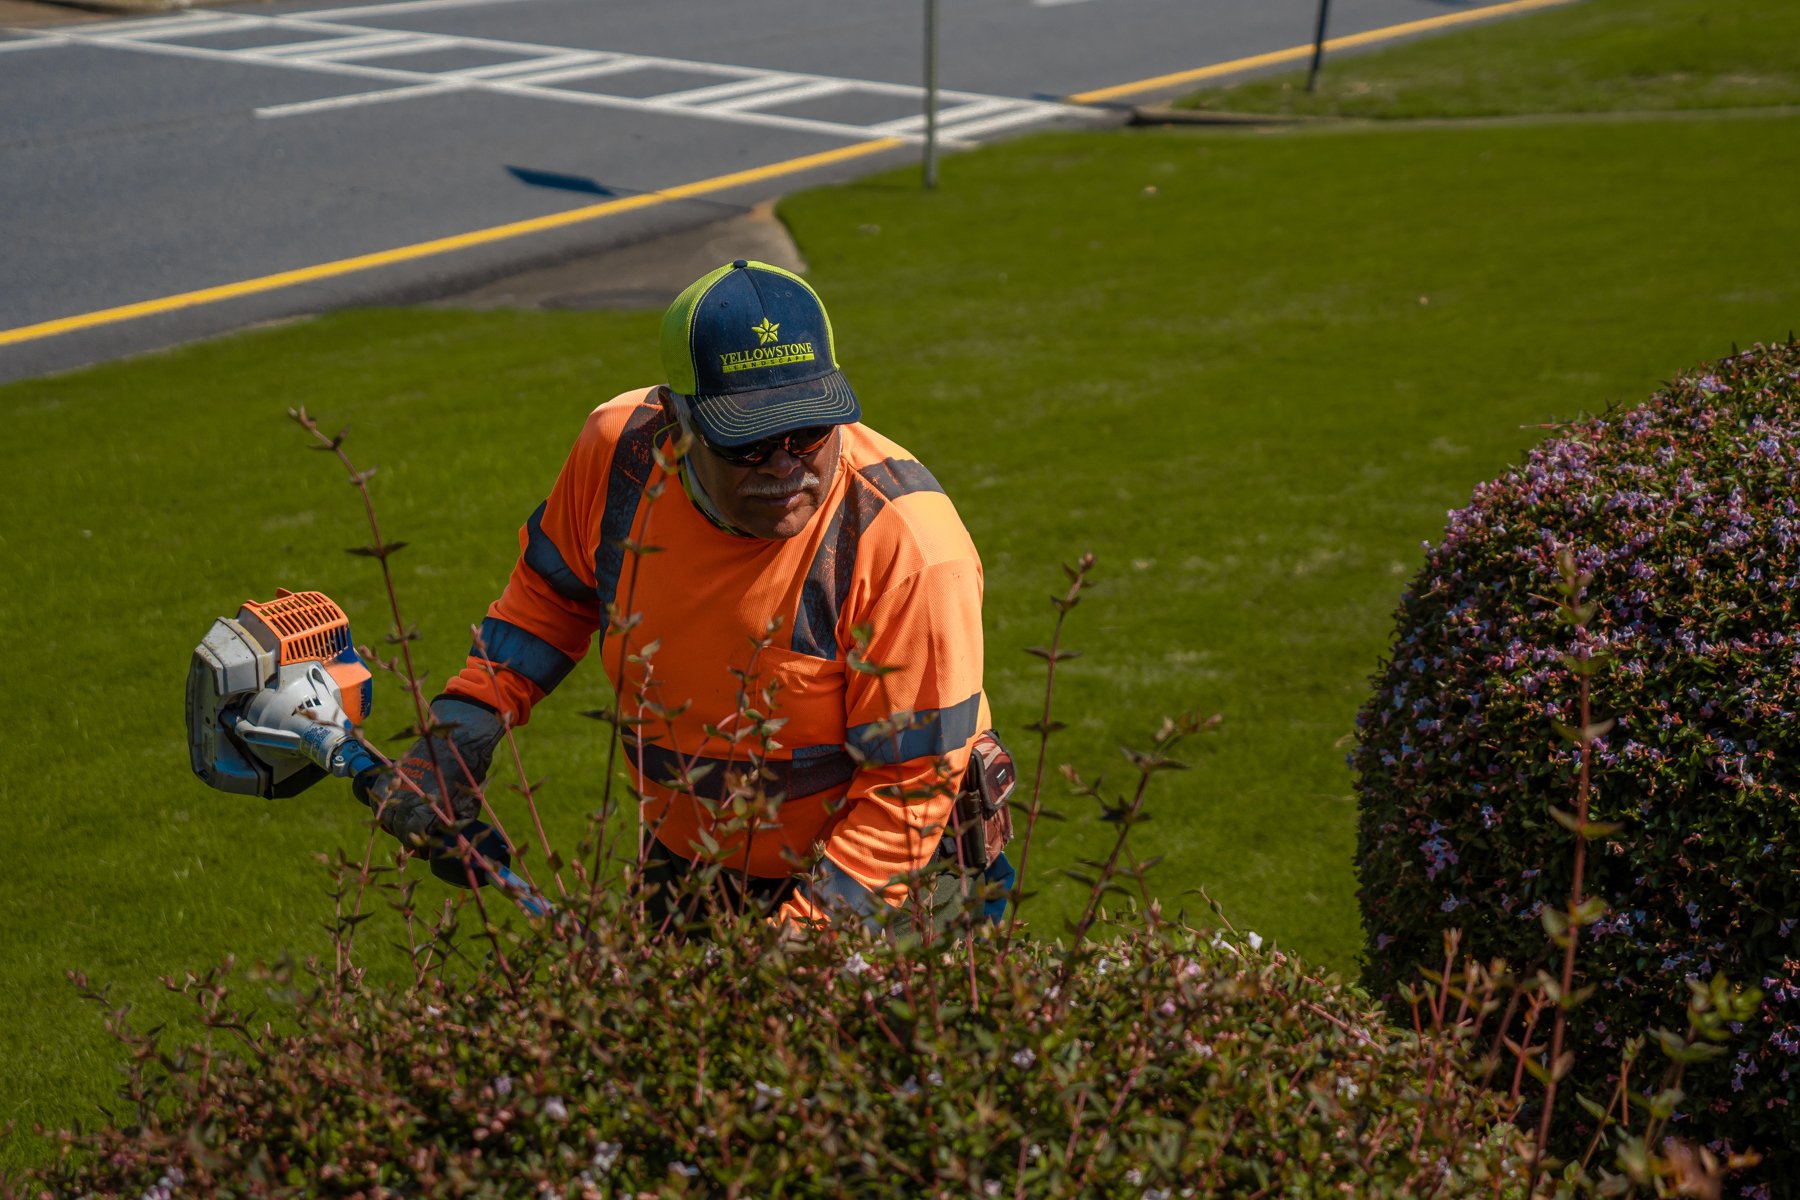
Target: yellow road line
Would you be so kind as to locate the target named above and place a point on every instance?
(460, 241)
(1297, 53)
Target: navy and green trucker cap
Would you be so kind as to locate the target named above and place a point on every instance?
(750, 345)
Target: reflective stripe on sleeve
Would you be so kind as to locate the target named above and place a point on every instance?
(835, 890)
(523, 653)
(930, 731)
(542, 556)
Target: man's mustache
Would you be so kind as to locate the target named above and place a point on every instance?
(806, 482)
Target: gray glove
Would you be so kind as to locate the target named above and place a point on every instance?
(475, 731)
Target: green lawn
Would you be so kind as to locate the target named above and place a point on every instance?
(1595, 56)
(1250, 371)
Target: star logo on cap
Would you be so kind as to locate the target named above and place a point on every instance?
(766, 332)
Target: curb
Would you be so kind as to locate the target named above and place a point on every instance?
(1152, 115)
(1161, 114)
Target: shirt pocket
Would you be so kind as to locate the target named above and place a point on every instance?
(808, 694)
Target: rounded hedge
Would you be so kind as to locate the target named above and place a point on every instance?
(1686, 511)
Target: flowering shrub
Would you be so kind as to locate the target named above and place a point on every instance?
(1686, 513)
(748, 1064)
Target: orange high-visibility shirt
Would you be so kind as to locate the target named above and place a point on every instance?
(866, 763)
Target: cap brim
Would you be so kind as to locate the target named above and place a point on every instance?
(739, 418)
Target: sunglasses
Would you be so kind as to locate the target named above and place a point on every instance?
(797, 442)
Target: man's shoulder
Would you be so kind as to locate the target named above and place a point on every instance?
(611, 419)
(900, 507)
(629, 418)
(885, 464)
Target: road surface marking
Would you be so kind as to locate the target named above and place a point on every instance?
(356, 100)
(417, 44)
(790, 95)
(722, 91)
(534, 65)
(905, 126)
(964, 132)
(316, 45)
(1298, 53)
(444, 245)
(617, 64)
(744, 95)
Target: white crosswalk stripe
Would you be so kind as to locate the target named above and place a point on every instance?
(324, 45)
(788, 95)
(724, 91)
(949, 116)
(417, 44)
(745, 95)
(549, 62)
(355, 100)
(619, 64)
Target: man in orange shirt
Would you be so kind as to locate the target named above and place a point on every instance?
(796, 547)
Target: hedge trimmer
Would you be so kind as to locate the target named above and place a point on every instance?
(275, 697)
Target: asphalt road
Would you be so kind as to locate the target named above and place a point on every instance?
(171, 166)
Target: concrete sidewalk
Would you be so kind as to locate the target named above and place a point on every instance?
(29, 14)
(647, 274)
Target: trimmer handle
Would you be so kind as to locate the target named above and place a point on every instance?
(447, 861)
(447, 865)
(358, 758)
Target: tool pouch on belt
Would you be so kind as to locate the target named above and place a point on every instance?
(983, 814)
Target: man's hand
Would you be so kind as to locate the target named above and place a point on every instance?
(407, 798)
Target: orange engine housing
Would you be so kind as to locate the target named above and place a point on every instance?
(309, 626)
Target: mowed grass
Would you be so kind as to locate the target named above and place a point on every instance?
(1250, 372)
(1596, 56)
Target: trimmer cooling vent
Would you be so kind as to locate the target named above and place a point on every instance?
(309, 624)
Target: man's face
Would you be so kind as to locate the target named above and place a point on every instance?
(773, 499)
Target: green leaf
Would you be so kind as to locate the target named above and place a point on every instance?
(1585, 733)
(1578, 615)
(1578, 997)
(1593, 1110)
(1677, 1049)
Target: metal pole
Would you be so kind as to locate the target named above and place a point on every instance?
(930, 94)
(1312, 77)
